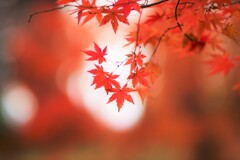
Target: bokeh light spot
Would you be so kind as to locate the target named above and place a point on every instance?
(19, 105)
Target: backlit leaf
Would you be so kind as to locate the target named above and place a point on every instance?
(98, 54)
(120, 95)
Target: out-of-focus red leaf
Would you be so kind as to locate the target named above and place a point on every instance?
(154, 70)
(237, 86)
(221, 63)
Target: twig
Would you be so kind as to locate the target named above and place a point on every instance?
(176, 16)
(153, 4)
(138, 30)
(161, 37)
(67, 5)
(46, 11)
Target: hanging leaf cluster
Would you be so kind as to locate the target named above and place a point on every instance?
(188, 26)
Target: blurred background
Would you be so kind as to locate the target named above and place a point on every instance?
(49, 111)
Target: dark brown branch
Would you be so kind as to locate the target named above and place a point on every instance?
(236, 1)
(142, 6)
(46, 11)
(153, 4)
(189, 37)
(185, 5)
(176, 15)
(67, 5)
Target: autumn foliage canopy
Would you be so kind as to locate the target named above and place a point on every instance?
(188, 26)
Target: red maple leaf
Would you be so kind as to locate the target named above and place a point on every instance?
(114, 16)
(89, 10)
(111, 82)
(120, 95)
(104, 79)
(89, 17)
(99, 77)
(127, 6)
(98, 54)
(221, 63)
(65, 1)
(139, 77)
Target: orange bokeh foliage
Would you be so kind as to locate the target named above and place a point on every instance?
(46, 52)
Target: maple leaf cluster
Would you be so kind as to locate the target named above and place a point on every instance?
(188, 26)
(108, 80)
(115, 13)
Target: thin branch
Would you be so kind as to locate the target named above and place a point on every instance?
(137, 39)
(142, 6)
(176, 16)
(161, 37)
(236, 1)
(138, 30)
(189, 38)
(153, 4)
(185, 5)
(104, 6)
(46, 11)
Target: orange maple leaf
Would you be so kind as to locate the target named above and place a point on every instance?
(139, 76)
(90, 10)
(120, 95)
(142, 92)
(232, 32)
(154, 70)
(134, 60)
(127, 6)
